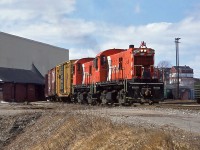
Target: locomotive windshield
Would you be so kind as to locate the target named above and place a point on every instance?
(146, 74)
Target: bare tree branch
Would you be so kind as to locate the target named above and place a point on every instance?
(164, 64)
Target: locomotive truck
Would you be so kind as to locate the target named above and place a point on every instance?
(114, 76)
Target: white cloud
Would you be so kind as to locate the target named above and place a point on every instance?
(14, 14)
(3, 2)
(35, 9)
(46, 21)
(159, 36)
(76, 53)
(40, 6)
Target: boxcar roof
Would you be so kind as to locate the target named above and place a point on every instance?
(20, 76)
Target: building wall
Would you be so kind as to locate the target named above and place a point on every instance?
(20, 92)
(186, 83)
(185, 76)
(20, 53)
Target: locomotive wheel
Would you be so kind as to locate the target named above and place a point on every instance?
(121, 97)
(142, 103)
(151, 102)
(103, 98)
(78, 98)
(98, 100)
(90, 100)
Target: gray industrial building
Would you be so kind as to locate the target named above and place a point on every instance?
(20, 53)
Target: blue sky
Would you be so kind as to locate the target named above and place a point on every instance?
(134, 12)
(86, 27)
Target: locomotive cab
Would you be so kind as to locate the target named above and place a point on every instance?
(143, 60)
(143, 87)
(146, 73)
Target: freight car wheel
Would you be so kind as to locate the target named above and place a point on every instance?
(103, 98)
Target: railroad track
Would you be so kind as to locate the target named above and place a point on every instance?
(190, 105)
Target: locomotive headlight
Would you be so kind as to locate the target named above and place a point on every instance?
(145, 50)
(141, 50)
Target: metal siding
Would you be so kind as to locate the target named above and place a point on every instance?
(49, 84)
(1, 91)
(197, 91)
(69, 76)
(8, 92)
(39, 92)
(61, 73)
(66, 78)
(20, 92)
(57, 81)
(17, 52)
(52, 82)
(46, 85)
(31, 92)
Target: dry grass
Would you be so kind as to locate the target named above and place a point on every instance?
(86, 132)
(65, 127)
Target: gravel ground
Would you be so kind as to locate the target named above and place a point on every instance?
(186, 120)
(19, 122)
(14, 119)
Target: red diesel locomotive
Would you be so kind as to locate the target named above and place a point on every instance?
(122, 76)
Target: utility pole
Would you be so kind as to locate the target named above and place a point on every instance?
(177, 64)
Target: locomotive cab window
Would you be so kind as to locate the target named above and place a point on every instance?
(103, 60)
(90, 70)
(79, 67)
(120, 63)
(95, 63)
